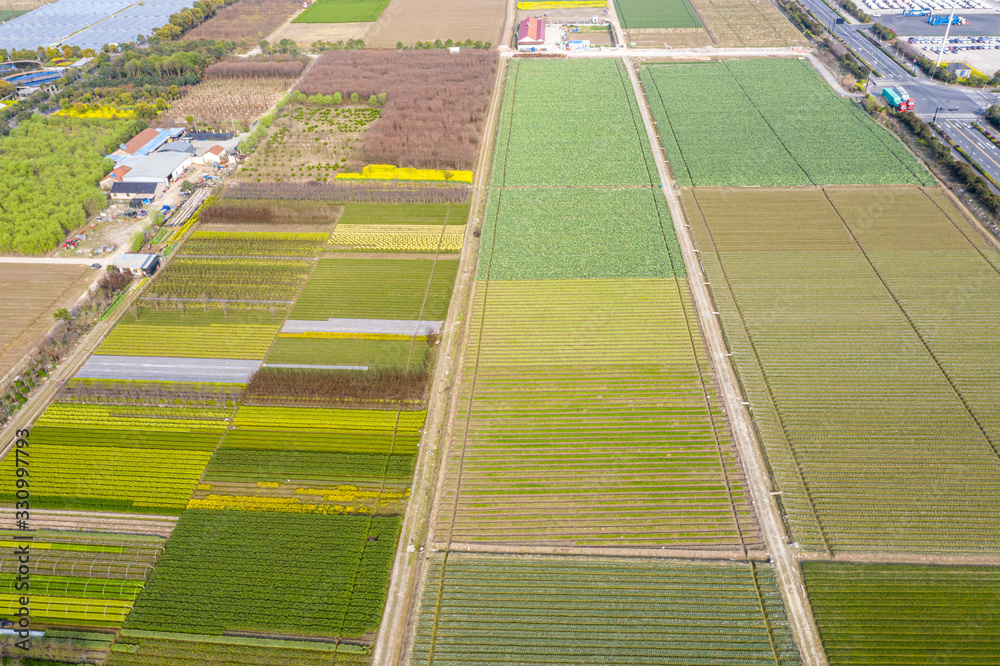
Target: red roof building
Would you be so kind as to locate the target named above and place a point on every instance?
(531, 32)
(140, 140)
(115, 176)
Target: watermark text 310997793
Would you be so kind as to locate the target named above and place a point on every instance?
(22, 544)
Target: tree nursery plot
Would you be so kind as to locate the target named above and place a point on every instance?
(435, 103)
(400, 214)
(658, 14)
(721, 124)
(559, 610)
(219, 573)
(31, 294)
(192, 651)
(860, 304)
(310, 143)
(737, 23)
(270, 215)
(228, 105)
(587, 417)
(903, 614)
(343, 351)
(342, 11)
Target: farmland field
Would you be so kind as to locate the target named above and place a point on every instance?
(737, 23)
(349, 352)
(31, 295)
(554, 130)
(863, 304)
(218, 573)
(581, 425)
(658, 14)
(566, 610)
(342, 11)
(223, 103)
(899, 614)
(410, 21)
(400, 214)
(531, 234)
(269, 215)
(406, 288)
(722, 125)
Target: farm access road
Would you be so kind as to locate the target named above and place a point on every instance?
(787, 570)
(409, 566)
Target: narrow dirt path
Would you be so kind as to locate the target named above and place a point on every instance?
(758, 482)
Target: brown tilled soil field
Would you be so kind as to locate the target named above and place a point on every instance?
(32, 292)
(735, 23)
(305, 34)
(411, 21)
(674, 37)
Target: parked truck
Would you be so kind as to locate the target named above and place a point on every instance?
(907, 100)
(934, 19)
(894, 98)
(916, 12)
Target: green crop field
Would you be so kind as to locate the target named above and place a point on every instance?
(329, 430)
(581, 424)
(382, 289)
(188, 650)
(493, 609)
(906, 615)
(855, 317)
(342, 11)
(532, 234)
(194, 333)
(256, 283)
(570, 122)
(270, 572)
(656, 14)
(722, 124)
(391, 213)
(374, 354)
(253, 465)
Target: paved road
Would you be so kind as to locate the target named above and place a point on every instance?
(956, 105)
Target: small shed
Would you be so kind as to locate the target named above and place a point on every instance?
(960, 69)
(138, 264)
(216, 155)
(146, 191)
(530, 33)
(178, 147)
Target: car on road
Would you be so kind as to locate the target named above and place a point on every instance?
(96, 265)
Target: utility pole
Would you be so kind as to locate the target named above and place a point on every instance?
(947, 29)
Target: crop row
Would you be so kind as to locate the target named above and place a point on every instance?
(253, 280)
(495, 609)
(256, 244)
(372, 354)
(381, 238)
(230, 465)
(830, 306)
(218, 574)
(98, 478)
(189, 652)
(135, 417)
(722, 124)
(392, 213)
